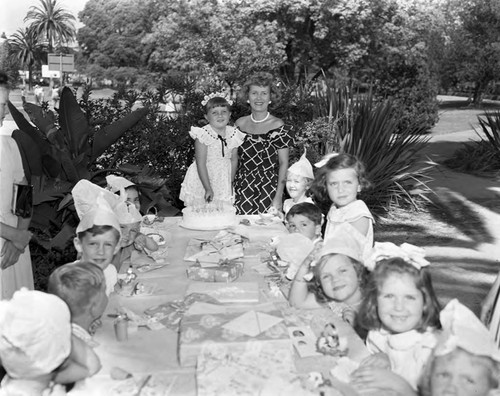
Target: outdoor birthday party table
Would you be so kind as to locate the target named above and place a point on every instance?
(154, 353)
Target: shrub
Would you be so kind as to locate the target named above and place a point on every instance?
(482, 157)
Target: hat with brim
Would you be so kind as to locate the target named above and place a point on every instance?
(342, 242)
(35, 333)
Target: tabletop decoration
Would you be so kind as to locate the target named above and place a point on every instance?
(256, 370)
(224, 271)
(235, 292)
(330, 343)
(234, 329)
(170, 313)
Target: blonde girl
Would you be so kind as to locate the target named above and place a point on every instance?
(340, 179)
(401, 313)
(209, 178)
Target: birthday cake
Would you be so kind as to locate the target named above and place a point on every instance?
(209, 217)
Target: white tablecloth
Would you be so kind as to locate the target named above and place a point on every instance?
(146, 351)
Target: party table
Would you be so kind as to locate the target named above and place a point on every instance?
(155, 352)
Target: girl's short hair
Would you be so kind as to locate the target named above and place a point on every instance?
(261, 79)
(341, 161)
(77, 284)
(306, 209)
(216, 101)
(315, 286)
(368, 314)
(492, 367)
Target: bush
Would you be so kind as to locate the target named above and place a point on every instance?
(483, 157)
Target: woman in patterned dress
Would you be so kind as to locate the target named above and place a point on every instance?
(263, 156)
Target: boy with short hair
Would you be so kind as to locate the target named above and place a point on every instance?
(98, 233)
(83, 287)
(306, 219)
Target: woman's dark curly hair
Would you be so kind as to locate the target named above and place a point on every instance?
(261, 79)
(341, 161)
(368, 314)
(315, 286)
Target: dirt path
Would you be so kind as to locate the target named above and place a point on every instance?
(461, 233)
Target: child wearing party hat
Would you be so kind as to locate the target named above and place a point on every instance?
(466, 360)
(36, 348)
(298, 180)
(118, 185)
(99, 231)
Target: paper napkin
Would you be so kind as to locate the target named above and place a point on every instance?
(252, 323)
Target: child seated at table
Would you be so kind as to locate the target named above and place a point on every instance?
(35, 341)
(298, 180)
(306, 219)
(400, 311)
(134, 245)
(83, 287)
(120, 185)
(338, 281)
(466, 360)
(98, 233)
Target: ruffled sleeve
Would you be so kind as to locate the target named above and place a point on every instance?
(203, 135)
(236, 137)
(282, 137)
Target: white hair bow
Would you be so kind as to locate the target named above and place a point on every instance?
(223, 95)
(325, 159)
(412, 254)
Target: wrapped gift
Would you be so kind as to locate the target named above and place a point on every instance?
(225, 271)
(231, 328)
(224, 246)
(257, 370)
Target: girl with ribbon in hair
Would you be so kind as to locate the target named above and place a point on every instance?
(401, 312)
(340, 179)
(209, 178)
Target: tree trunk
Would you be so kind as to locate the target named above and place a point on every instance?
(479, 91)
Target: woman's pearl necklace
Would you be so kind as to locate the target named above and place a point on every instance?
(259, 121)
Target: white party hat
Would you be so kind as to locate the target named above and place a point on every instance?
(463, 329)
(341, 242)
(95, 206)
(116, 183)
(35, 333)
(302, 167)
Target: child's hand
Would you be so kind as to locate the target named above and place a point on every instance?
(349, 316)
(377, 360)
(209, 195)
(370, 380)
(142, 242)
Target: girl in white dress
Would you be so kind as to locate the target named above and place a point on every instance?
(401, 312)
(340, 179)
(209, 178)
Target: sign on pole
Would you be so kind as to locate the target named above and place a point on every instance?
(61, 62)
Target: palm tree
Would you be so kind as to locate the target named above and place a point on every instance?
(25, 47)
(52, 22)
